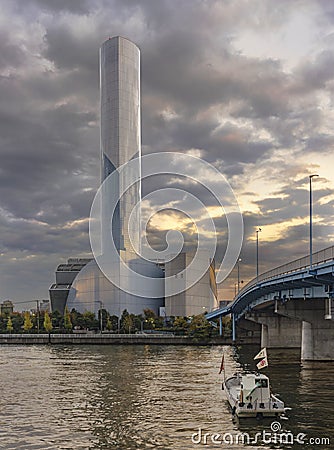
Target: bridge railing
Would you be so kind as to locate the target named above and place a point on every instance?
(320, 257)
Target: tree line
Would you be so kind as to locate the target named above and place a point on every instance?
(74, 321)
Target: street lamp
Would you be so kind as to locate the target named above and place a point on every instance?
(37, 302)
(311, 249)
(239, 261)
(257, 252)
(101, 319)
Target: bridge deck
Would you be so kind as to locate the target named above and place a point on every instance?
(295, 274)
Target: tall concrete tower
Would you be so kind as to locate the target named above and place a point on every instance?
(84, 286)
(120, 130)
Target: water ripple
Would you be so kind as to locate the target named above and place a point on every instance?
(138, 397)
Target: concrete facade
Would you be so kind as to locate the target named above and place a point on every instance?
(120, 137)
(91, 290)
(65, 275)
(199, 298)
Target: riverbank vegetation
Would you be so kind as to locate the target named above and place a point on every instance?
(75, 322)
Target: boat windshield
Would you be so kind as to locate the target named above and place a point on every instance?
(263, 383)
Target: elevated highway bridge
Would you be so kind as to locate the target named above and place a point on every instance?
(293, 303)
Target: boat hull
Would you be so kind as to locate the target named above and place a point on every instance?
(244, 408)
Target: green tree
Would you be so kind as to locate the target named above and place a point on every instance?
(200, 327)
(137, 322)
(114, 321)
(17, 321)
(57, 319)
(180, 325)
(151, 320)
(10, 327)
(27, 326)
(47, 323)
(109, 324)
(67, 320)
(149, 313)
(3, 323)
(159, 322)
(227, 326)
(123, 321)
(76, 318)
(128, 323)
(90, 320)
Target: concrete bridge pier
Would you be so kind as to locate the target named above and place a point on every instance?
(317, 341)
(277, 331)
(317, 336)
(265, 336)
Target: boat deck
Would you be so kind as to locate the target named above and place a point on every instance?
(246, 407)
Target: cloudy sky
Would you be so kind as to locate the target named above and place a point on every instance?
(246, 85)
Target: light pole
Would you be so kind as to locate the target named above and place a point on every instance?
(101, 321)
(311, 244)
(257, 253)
(37, 302)
(239, 261)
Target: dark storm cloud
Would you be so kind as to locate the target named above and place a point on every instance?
(48, 150)
(196, 81)
(38, 238)
(54, 6)
(315, 74)
(227, 143)
(70, 51)
(11, 55)
(198, 92)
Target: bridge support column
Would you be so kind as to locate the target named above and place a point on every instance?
(264, 336)
(233, 328)
(221, 326)
(278, 331)
(307, 341)
(317, 343)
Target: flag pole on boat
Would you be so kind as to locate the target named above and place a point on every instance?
(262, 355)
(222, 367)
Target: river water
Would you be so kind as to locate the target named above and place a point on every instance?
(145, 397)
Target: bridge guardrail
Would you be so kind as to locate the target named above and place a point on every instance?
(319, 257)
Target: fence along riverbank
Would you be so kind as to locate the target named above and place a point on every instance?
(116, 339)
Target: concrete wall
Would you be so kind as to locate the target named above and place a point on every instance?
(317, 342)
(306, 323)
(277, 331)
(193, 298)
(114, 339)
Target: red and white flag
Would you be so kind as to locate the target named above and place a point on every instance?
(222, 364)
(262, 364)
(261, 354)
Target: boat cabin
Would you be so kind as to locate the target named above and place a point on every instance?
(254, 387)
(249, 396)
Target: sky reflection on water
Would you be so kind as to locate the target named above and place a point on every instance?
(140, 397)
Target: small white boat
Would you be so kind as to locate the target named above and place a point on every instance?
(249, 396)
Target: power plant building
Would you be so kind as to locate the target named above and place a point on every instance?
(80, 283)
(197, 299)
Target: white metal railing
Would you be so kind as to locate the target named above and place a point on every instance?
(96, 336)
(320, 257)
